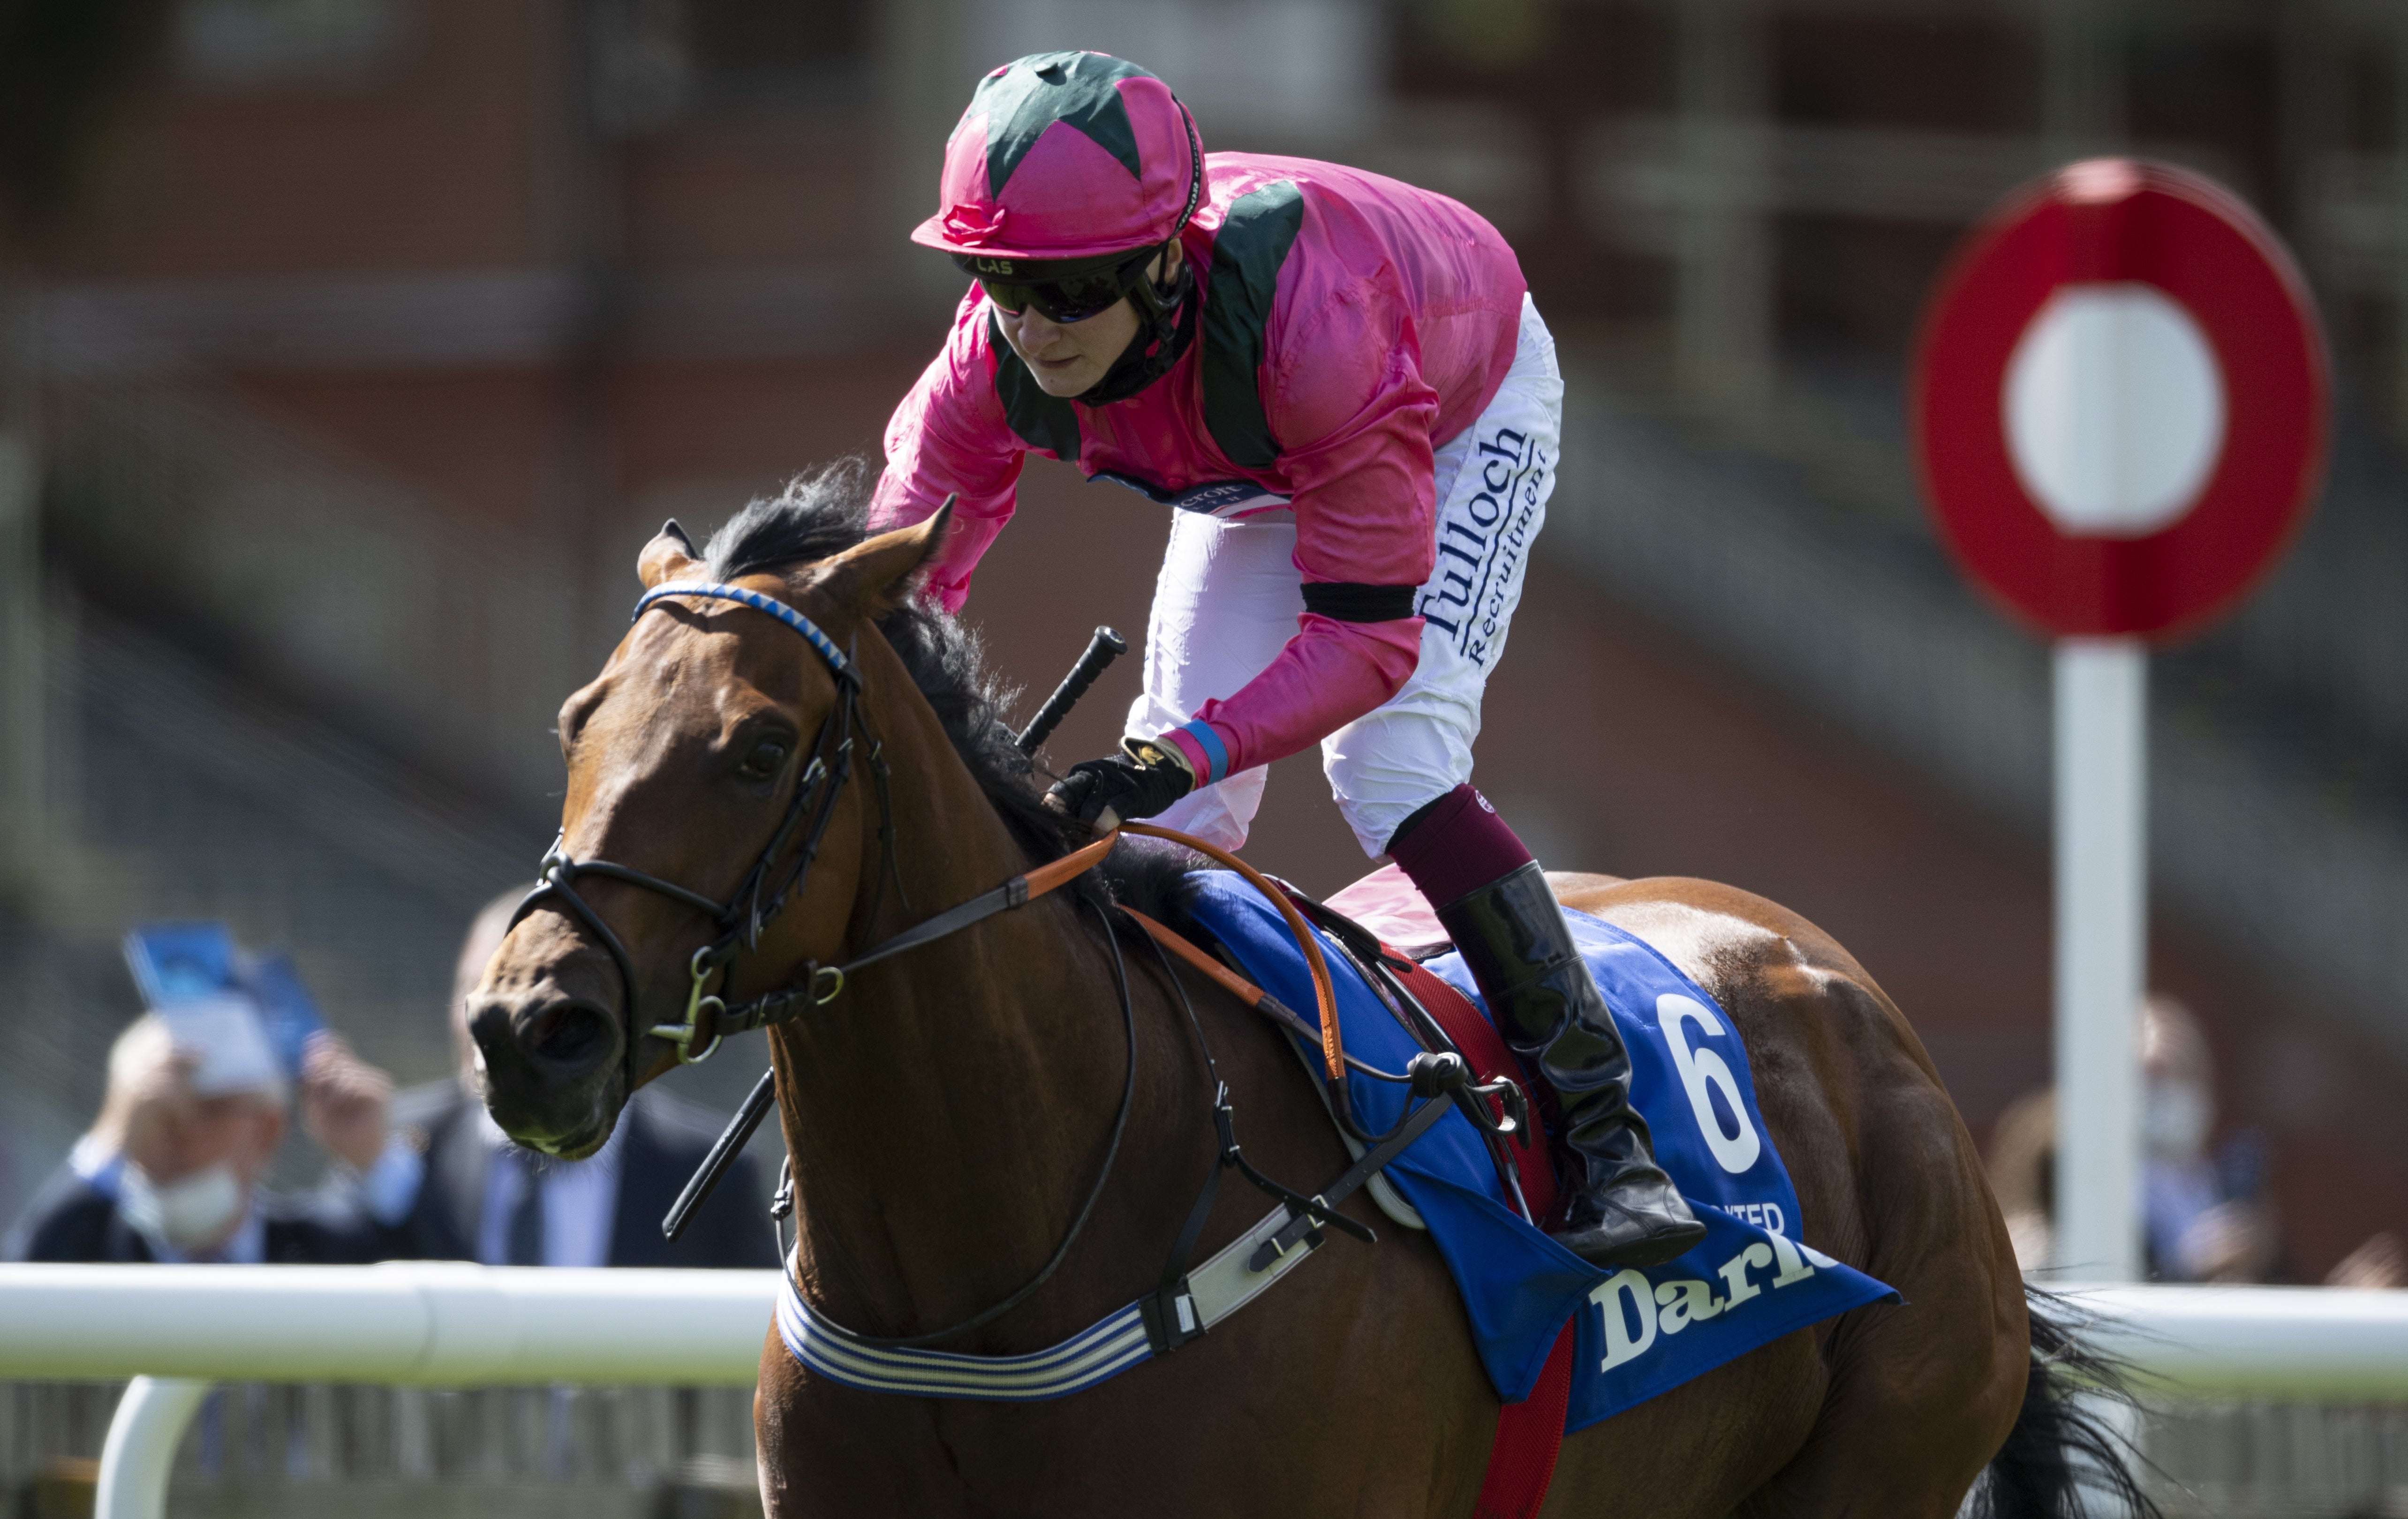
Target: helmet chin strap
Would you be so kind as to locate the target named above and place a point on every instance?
(1165, 325)
(1165, 318)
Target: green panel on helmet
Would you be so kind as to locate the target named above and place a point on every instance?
(1253, 243)
(1037, 418)
(1034, 93)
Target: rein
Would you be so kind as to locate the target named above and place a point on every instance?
(1183, 1305)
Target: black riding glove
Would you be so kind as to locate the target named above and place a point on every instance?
(1138, 782)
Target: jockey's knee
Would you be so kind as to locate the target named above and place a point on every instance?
(1388, 766)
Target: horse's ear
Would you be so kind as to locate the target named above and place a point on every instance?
(668, 557)
(869, 578)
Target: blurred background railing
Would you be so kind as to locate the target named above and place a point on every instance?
(594, 1392)
(657, 1452)
(2279, 1460)
(2257, 1401)
(264, 1451)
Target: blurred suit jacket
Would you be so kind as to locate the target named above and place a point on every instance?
(70, 1220)
(666, 1140)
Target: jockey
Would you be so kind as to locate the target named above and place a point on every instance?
(1341, 383)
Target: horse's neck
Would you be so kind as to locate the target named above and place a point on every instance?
(945, 1114)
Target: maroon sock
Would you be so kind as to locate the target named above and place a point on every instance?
(1455, 845)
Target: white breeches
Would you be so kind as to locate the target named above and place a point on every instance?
(1229, 595)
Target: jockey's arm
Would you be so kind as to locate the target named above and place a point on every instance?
(948, 437)
(1366, 509)
(1363, 497)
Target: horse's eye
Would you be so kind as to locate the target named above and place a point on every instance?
(764, 761)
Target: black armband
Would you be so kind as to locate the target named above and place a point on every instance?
(1347, 602)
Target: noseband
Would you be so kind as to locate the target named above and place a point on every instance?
(757, 900)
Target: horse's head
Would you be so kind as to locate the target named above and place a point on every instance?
(691, 759)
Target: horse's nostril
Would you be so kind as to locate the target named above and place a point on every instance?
(568, 1034)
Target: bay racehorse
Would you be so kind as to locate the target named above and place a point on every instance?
(950, 1110)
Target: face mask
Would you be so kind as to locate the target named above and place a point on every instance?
(2175, 1117)
(192, 1212)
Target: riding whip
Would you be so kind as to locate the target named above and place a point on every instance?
(757, 1104)
(1105, 646)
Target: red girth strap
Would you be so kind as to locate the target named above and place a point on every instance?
(1529, 1434)
(1484, 1048)
(1522, 1459)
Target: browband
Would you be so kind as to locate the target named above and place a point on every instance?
(754, 600)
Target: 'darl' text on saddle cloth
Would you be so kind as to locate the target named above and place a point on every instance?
(1638, 1332)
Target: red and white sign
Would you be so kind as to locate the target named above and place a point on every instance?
(2120, 401)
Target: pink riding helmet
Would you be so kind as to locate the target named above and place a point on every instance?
(1062, 156)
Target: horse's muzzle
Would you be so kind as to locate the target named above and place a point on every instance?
(552, 1068)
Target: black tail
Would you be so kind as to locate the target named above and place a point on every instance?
(2060, 1458)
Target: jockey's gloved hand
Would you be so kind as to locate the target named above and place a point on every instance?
(1141, 780)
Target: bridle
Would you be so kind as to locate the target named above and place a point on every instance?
(765, 891)
(757, 900)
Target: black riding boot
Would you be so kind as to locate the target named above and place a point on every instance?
(1623, 1209)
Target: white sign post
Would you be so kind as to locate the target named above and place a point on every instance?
(2101, 900)
(2115, 417)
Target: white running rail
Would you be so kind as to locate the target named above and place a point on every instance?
(2308, 1344)
(177, 1329)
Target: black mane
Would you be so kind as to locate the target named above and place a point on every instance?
(817, 516)
(823, 514)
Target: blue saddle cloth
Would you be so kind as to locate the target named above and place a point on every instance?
(1640, 1332)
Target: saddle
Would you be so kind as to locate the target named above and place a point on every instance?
(1440, 1018)
(1553, 1331)
(1441, 1021)
(1529, 1434)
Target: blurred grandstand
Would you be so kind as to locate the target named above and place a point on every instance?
(381, 333)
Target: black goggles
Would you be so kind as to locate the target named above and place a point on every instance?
(1063, 298)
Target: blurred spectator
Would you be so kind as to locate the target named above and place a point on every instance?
(2207, 1219)
(2022, 1176)
(483, 1198)
(2203, 1218)
(2381, 1261)
(170, 1171)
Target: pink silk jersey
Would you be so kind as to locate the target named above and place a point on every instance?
(1349, 325)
